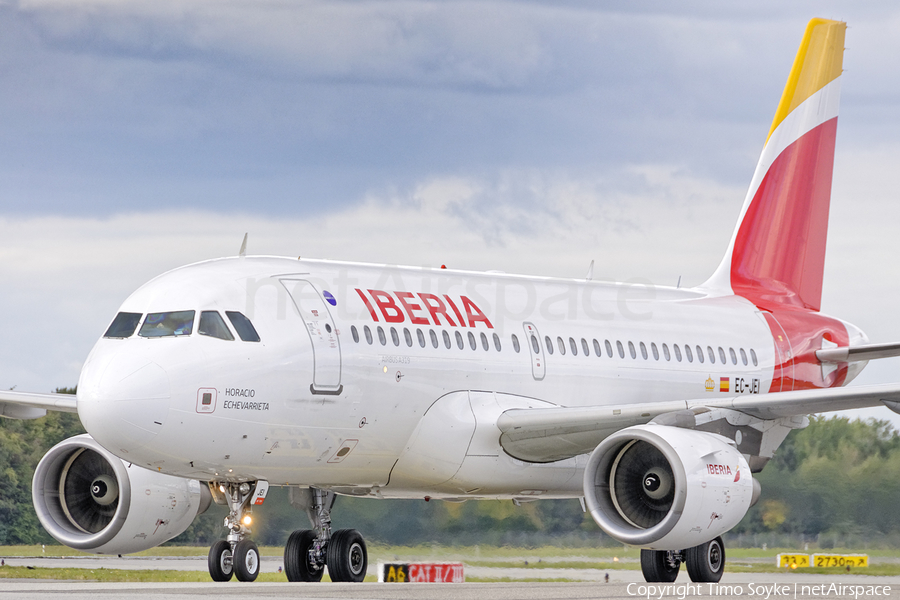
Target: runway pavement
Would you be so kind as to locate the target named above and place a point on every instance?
(807, 588)
(622, 584)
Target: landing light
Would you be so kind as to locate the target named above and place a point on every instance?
(247, 520)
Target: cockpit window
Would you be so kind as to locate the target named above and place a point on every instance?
(243, 326)
(168, 324)
(123, 325)
(213, 325)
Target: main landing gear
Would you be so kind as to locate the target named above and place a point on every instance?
(236, 555)
(705, 563)
(308, 552)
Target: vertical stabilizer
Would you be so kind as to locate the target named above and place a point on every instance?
(776, 257)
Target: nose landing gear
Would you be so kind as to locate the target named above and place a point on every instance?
(236, 554)
(308, 552)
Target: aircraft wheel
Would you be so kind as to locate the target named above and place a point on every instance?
(346, 556)
(296, 557)
(659, 566)
(220, 562)
(706, 562)
(246, 560)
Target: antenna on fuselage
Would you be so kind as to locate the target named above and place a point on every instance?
(243, 251)
(590, 273)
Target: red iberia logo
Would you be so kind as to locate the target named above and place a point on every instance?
(723, 384)
(422, 309)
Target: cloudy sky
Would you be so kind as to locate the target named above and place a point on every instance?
(526, 137)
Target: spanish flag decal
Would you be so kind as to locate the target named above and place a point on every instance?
(723, 384)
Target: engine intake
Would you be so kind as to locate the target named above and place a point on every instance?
(88, 499)
(666, 488)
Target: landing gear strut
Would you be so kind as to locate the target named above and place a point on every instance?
(308, 552)
(705, 563)
(236, 554)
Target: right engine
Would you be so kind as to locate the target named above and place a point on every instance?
(667, 488)
(89, 499)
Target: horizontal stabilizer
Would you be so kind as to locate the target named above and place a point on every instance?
(849, 354)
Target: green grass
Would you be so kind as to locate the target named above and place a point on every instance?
(740, 560)
(126, 575)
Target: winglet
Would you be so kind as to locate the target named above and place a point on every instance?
(776, 257)
(243, 251)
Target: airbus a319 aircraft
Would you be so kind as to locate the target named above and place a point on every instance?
(655, 406)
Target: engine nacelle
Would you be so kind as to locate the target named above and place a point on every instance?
(89, 499)
(666, 488)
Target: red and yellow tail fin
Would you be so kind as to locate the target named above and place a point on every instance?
(776, 258)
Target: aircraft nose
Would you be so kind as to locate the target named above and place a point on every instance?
(123, 399)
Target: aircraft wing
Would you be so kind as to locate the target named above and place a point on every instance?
(550, 434)
(25, 405)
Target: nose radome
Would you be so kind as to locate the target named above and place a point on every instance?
(123, 400)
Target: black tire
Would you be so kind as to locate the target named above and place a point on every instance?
(246, 560)
(296, 557)
(346, 556)
(706, 562)
(221, 567)
(659, 566)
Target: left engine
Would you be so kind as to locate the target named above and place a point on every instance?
(89, 499)
(667, 488)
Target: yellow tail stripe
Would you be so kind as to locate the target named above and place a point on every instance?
(819, 61)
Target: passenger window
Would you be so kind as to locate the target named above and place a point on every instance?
(677, 352)
(515, 342)
(421, 337)
(620, 349)
(722, 355)
(608, 348)
(561, 344)
(688, 355)
(497, 342)
(472, 340)
(743, 357)
(549, 344)
(395, 337)
(534, 345)
(433, 336)
(484, 342)
(654, 350)
(368, 333)
(700, 354)
(459, 340)
(381, 337)
(123, 325)
(712, 355)
(631, 350)
(213, 325)
(753, 357)
(446, 337)
(666, 354)
(643, 350)
(597, 350)
(168, 324)
(585, 348)
(353, 332)
(573, 346)
(733, 356)
(242, 325)
(407, 336)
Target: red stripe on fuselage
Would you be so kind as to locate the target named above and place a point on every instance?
(796, 365)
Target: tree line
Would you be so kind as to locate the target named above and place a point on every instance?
(835, 480)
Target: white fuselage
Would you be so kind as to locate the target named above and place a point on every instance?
(315, 403)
